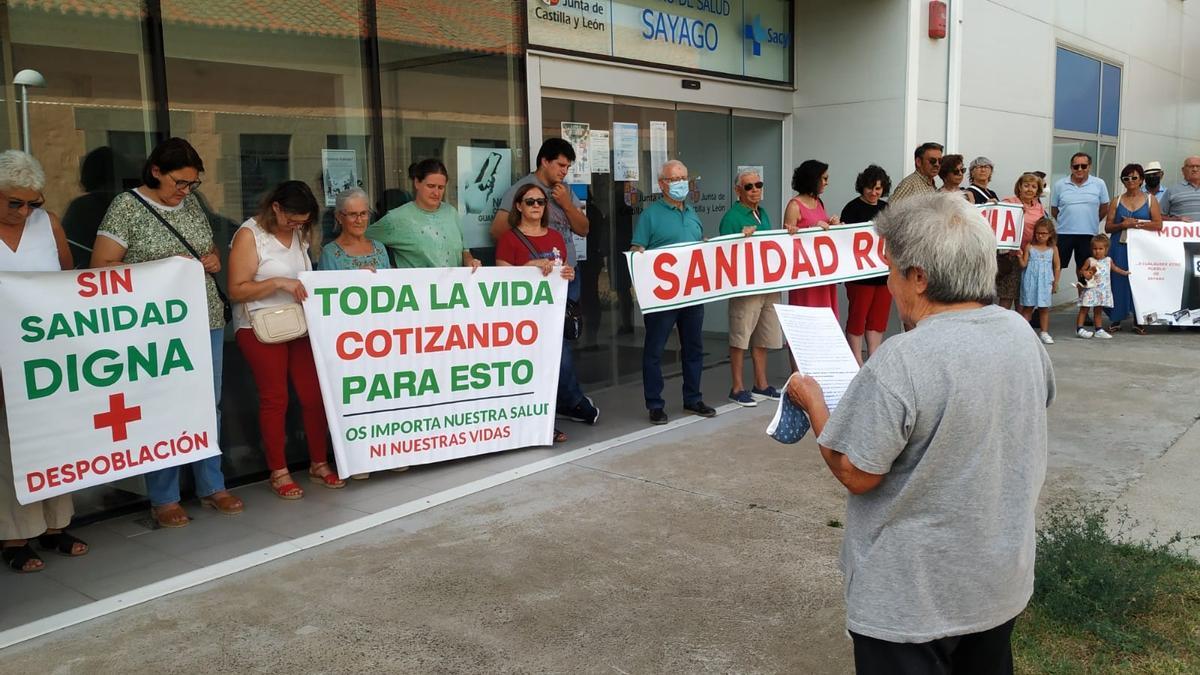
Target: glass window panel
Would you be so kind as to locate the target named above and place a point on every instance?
(1076, 92)
(1110, 100)
(1106, 169)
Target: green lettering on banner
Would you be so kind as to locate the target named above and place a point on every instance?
(515, 293)
(99, 320)
(477, 376)
(356, 300)
(104, 367)
(382, 386)
(458, 298)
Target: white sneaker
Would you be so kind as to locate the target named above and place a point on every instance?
(1084, 333)
(1045, 338)
(1102, 334)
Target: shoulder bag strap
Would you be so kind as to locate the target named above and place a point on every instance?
(533, 252)
(154, 212)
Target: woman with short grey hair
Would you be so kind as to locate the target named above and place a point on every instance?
(352, 250)
(941, 441)
(33, 241)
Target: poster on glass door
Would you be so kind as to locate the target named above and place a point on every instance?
(484, 175)
(625, 151)
(340, 171)
(658, 151)
(599, 142)
(578, 135)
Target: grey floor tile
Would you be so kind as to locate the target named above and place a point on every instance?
(28, 597)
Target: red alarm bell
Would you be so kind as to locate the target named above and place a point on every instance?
(937, 19)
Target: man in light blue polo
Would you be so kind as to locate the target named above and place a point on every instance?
(664, 222)
(1183, 200)
(1079, 204)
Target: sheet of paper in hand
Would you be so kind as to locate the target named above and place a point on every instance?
(820, 348)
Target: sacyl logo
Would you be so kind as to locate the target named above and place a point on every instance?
(758, 35)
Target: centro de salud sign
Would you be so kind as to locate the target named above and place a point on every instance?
(744, 38)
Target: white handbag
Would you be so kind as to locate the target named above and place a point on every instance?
(281, 323)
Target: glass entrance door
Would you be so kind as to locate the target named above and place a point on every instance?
(713, 143)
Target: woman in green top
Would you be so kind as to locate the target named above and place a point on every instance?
(353, 250)
(424, 232)
(132, 233)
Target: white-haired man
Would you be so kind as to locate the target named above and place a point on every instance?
(941, 441)
(753, 323)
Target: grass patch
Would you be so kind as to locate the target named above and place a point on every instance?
(1104, 602)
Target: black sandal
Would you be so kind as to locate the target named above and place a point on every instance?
(559, 437)
(61, 543)
(17, 556)
(1138, 329)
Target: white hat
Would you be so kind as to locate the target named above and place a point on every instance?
(1153, 166)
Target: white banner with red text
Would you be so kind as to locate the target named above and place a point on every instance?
(1164, 271)
(107, 374)
(734, 265)
(427, 365)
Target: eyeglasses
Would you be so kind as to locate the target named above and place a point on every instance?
(752, 186)
(957, 172)
(189, 185)
(356, 215)
(1080, 167)
(534, 201)
(1191, 166)
(934, 160)
(298, 223)
(1131, 178)
(18, 204)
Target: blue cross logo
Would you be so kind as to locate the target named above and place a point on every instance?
(756, 34)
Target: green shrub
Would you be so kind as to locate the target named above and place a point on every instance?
(1091, 576)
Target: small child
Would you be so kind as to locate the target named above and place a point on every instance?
(1098, 294)
(1039, 281)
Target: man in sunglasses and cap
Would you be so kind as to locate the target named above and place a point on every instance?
(753, 323)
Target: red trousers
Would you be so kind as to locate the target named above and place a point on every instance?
(815, 296)
(272, 366)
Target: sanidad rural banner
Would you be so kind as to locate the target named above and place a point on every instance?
(1165, 274)
(734, 265)
(426, 365)
(107, 374)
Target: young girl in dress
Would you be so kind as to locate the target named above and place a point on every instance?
(1099, 294)
(1039, 281)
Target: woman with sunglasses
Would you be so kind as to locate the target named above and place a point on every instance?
(529, 228)
(1133, 210)
(133, 231)
(33, 241)
(952, 173)
(268, 254)
(425, 232)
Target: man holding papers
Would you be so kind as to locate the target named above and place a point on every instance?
(941, 441)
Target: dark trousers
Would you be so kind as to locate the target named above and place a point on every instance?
(690, 321)
(1080, 245)
(985, 653)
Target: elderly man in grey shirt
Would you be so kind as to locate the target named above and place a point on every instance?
(941, 441)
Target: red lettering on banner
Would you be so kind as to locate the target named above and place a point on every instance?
(727, 269)
(340, 346)
(35, 480)
(772, 274)
(749, 249)
(104, 282)
(1010, 227)
(827, 263)
(697, 275)
(663, 273)
(861, 245)
(800, 261)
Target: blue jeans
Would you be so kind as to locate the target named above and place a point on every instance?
(690, 321)
(163, 485)
(569, 391)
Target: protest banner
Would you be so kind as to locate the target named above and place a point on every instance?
(107, 374)
(733, 265)
(426, 365)
(1164, 271)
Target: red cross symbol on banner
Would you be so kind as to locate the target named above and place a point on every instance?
(118, 417)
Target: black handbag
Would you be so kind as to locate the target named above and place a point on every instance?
(573, 318)
(220, 293)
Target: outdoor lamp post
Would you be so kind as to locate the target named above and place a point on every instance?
(24, 80)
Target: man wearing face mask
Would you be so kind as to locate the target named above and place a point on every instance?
(1153, 183)
(664, 222)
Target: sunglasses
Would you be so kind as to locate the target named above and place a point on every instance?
(752, 186)
(957, 172)
(18, 204)
(189, 185)
(534, 201)
(934, 160)
(1080, 167)
(1131, 178)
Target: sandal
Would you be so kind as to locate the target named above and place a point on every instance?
(16, 557)
(1138, 329)
(224, 503)
(62, 543)
(284, 487)
(321, 474)
(559, 437)
(170, 515)
(1114, 328)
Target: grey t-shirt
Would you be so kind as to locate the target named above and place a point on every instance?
(954, 413)
(558, 217)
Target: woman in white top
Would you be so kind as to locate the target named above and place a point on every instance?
(269, 252)
(31, 240)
